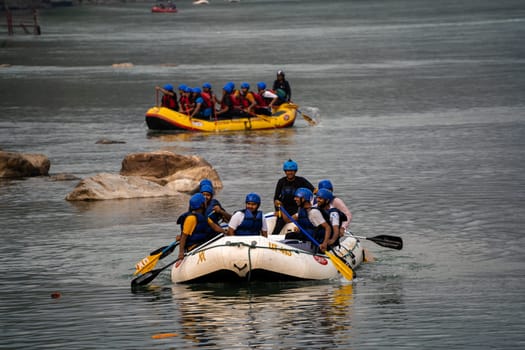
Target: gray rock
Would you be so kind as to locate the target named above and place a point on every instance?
(19, 165)
(150, 174)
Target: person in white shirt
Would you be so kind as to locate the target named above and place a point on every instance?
(249, 221)
(337, 203)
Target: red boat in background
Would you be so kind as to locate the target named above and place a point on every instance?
(164, 8)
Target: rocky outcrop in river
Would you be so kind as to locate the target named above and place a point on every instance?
(19, 165)
(151, 174)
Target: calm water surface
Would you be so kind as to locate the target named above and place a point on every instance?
(422, 132)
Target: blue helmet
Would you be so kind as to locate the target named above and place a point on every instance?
(168, 87)
(188, 89)
(261, 85)
(182, 87)
(206, 188)
(325, 194)
(206, 86)
(228, 88)
(304, 193)
(253, 197)
(197, 90)
(206, 182)
(197, 201)
(245, 85)
(325, 184)
(290, 165)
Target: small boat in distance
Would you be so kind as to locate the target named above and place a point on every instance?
(168, 7)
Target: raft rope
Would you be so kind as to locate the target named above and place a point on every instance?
(254, 245)
(238, 244)
(250, 247)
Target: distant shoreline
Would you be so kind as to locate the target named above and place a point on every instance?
(41, 4)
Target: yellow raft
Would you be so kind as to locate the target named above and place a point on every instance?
(161, 118)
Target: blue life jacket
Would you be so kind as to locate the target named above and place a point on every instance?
(207, 112)
(251, 225)
(216, 217)
(201, 232)
(316, 232)
(206, 109)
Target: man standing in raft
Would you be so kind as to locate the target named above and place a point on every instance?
(285, 190)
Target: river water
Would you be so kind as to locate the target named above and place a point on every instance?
(422, 131)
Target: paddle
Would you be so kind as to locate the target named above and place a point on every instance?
(151, 275)
(266, 118)
(311, 121)
(387, 241)
(166, 250)
(340, 265)
(148, 263)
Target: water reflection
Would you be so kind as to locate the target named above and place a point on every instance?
(265, 315)
(127, 211)
(275, 137)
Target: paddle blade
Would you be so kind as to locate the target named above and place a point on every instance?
(341, 266)
(147, 264)
(145, 278)
(311, 121)
(387, 241)
(150, 276)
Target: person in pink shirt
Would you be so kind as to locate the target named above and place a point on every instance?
(337, 203)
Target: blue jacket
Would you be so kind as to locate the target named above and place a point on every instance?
(251, 225)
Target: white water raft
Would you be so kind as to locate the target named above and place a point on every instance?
(257, 258)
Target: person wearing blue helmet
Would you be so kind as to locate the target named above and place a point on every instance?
(209, 96)
(226, 109)
(262, 102)
(169, 97)
(203, 108)
(338, 203)
(236, 99)
(246, 98)
(249, 221)
(285, 190)
(332, 215)
(182, 98)
(195, 227)
(311, 220)
(186, 101)
(214, 209)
